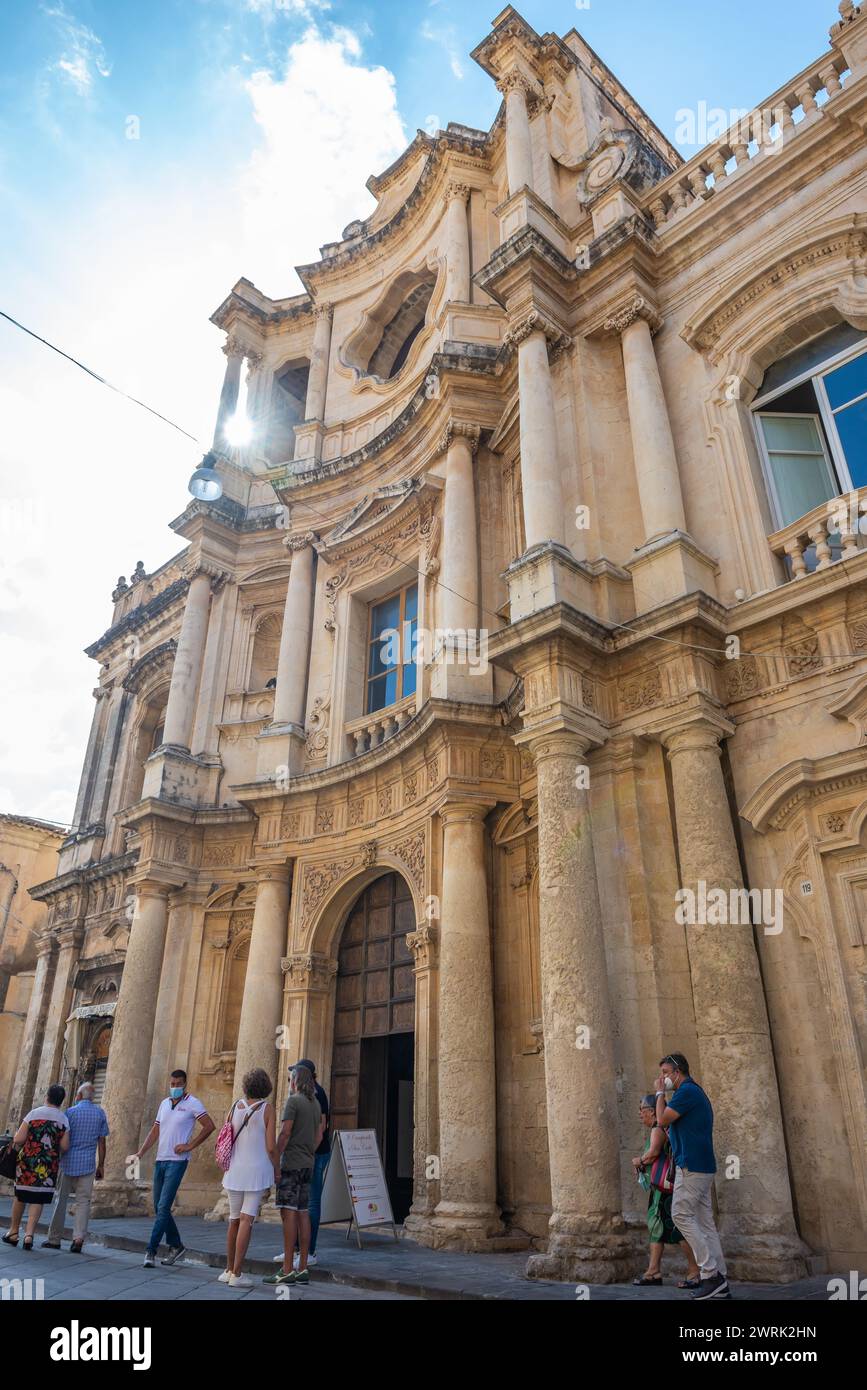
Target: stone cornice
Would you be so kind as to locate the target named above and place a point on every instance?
(139, 617)
(778, 799)
(524, 243)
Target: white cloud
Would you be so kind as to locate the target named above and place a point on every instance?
(327, 123)
(127, 284)
(83, 57)
(303, 9)
(446, 40)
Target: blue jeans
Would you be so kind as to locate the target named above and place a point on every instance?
(320, 1163)
(168, 1177)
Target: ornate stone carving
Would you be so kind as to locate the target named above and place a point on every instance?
(454, 189)
(742, 678)
(317, 880)
(534, 322)
(324, 820)
(492, 762)
(316, 745)
(640, 692)
(411, 853)
(385, 801)
(289, 825)
(459, 429)
(219, 855)
(803, 656)
(835, 824)
(410, 789)
(369, 853)
(356, 811)
(299, 541)
(636, 308)
(422, 942)
(308, 970)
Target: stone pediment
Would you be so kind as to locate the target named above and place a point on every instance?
(377, 514)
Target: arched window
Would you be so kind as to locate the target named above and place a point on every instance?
(401, 332)
(147, 737)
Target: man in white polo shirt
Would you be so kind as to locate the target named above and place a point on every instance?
(172, 1130)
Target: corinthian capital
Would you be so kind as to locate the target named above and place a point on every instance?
(459, 191)
(233, 347)
(634, 309)
(323, 311)
(459, 429)
(534, 322)
(300, 541)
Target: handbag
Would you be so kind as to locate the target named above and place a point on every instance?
(227, 1138)
(663, 1169)
(8, 1161)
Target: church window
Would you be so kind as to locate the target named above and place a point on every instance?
(391, 670)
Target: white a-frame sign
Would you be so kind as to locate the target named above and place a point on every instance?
(355, 1189)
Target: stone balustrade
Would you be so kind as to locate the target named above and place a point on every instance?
(372, 730)
(829, 533)
(761, 132)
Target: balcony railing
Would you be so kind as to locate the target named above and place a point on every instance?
(829, 533)
(754, 137)
(372, 730)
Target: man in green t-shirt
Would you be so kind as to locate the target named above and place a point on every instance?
(303, 1123)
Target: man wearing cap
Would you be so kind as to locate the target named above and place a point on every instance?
(320, 1163)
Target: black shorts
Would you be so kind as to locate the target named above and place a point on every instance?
(293, 1189)
(35, 1199)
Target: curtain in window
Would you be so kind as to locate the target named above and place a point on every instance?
(799, 466)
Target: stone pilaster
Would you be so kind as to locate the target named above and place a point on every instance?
(426, 1186)
(588, 1239)
(187, 668)
(540, 467)
(308, 1010)
(235, 353)
(736, 1064)
(262, 1005)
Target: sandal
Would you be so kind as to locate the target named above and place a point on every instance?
(9, 1239)
(27, 1243)
(644, 1282)
(76, 1247)
(688, 1283)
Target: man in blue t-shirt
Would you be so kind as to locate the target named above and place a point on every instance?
(684, 1109)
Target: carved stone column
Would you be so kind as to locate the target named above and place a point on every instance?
(69, 938)
(262, 1006)
(181, 707)
(540, 467)
(131, 1041)
(656, 469)
(466, 1214)
(519, 150)
(588, 1239)
(459, 572)
(24, 1085)
(736, 1060)
(457, 244)
(235, 353)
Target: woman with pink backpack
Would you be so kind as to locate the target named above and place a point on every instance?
(246, 1151)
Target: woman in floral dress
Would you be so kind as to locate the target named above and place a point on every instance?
(41, 1138)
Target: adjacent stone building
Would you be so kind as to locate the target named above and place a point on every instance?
(528, 604)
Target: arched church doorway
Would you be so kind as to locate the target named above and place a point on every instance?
(372, 1065)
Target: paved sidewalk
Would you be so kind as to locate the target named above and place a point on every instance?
(383, 1267)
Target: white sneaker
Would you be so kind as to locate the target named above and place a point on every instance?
(312, 1260)
(240, 1281)
(278, 1259)
(296, 1260)
(225, 1276)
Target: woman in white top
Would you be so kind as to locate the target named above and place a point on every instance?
(254, 1167)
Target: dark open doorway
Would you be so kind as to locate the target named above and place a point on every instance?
(385, 1104)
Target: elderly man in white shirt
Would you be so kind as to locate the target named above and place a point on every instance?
(171, 1131)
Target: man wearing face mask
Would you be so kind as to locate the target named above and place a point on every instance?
(683, 1107)
(172, 1130)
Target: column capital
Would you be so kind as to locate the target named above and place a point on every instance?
(633, 310)
(272, 873)
(422, 942)
(325, 310)
(198, 565)
(455, 191)
(233, 347)
(150, 888)
(457, 812)
(45, 943)
(459, 429)
(254, 362)
(704, 733)
(536, 322)
(70, 936)
(308, 970)
(562, 743)
(535, 97)
(300, 541)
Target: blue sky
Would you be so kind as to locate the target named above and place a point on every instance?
(150, 154)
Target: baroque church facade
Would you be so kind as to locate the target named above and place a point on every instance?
(535, 599)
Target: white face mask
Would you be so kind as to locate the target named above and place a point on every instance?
(668, 1083)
